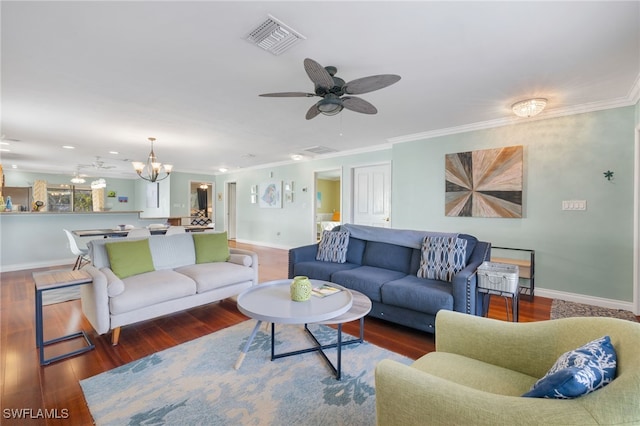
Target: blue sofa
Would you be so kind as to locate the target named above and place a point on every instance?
(383, 263)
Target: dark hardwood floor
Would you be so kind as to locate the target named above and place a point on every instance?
(26, 387)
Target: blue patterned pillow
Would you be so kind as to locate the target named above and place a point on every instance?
(333, 246)
(442, 257)
(578, 372)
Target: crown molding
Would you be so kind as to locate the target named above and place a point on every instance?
(631, 99)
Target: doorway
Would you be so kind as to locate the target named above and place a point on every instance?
(201, 203)
(327, 201)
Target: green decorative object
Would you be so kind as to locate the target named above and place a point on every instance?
(300, 289)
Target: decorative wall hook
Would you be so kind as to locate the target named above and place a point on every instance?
(608, 174)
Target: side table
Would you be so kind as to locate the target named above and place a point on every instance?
(45, 281)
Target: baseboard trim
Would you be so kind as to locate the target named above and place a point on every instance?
(263, 244)
(36, 265)
(589, 300)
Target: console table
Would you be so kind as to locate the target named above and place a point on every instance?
(52, 280)
(526, 286)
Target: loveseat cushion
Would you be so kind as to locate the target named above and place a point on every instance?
(474, 374)
(129, 258)
(320, 270)
(147, 289)
(211, 247)
(368, 280)
(209, 276)
(333, 246)
(418, 294)
(442, 257)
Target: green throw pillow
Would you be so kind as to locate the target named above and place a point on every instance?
(130, 257)
(211, 247)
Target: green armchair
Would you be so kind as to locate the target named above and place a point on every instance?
(482, 366)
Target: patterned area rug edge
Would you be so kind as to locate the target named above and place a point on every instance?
(565, 309)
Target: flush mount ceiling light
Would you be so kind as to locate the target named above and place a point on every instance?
(153, 168)
(529, 107)
(296, 157)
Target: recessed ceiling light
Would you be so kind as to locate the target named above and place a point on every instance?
(4, 143)
(68, 147)
(14, 166)
(296, 157)
(223, 170)
(114, 152)
(5, 150)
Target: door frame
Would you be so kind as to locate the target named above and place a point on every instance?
(314, 204)
(636, 223)
(228, 209)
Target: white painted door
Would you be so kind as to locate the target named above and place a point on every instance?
(372, 195)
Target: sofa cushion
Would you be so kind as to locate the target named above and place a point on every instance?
(333, 246)
(474, 373)
(211, 247)
(418, 294)
(172, 251)
(129, 258)
(209, 276)
(355, 251)
(442, 257)
(387, 256)
(320, 270)
(367, 280)
(147, 289)
(578, 372)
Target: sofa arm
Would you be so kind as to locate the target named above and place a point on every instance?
(301, 254)
(408, 396)
(95, 300)
(254, 261)
(529, 348)
(464, 283)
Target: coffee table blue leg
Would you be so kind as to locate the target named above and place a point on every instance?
(247, 345)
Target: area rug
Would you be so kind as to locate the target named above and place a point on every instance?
(564, 309)
(195, 383)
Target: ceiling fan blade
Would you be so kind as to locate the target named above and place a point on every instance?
(358, 105)
(313, 112)
(369, 84)
(288, 95)
(318, 74)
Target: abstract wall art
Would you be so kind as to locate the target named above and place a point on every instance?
(484, 183)
(270, 194)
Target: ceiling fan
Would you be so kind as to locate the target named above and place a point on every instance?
(97, 164)
(333, 89)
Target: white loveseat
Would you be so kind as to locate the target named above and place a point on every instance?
(176, 284)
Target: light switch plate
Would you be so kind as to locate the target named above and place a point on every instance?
(580, 205)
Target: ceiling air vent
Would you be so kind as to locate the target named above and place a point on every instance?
(274, 36)
(320, 150)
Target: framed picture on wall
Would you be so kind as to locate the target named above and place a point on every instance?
(270, 195)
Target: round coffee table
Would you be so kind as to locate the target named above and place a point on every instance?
(271, 302)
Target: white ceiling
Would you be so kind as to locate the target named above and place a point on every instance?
(105, 76)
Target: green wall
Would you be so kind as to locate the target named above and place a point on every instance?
(587, 252)
(294, 224)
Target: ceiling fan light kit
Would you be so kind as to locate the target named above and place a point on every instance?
(332, 90)
(529, 107)
(152, 168)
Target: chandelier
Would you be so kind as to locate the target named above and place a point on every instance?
(153, 168)
(77, 179)
(529, 107)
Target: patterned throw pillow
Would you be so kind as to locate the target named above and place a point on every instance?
(442, 257)
(333, 246)
(578, 372)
